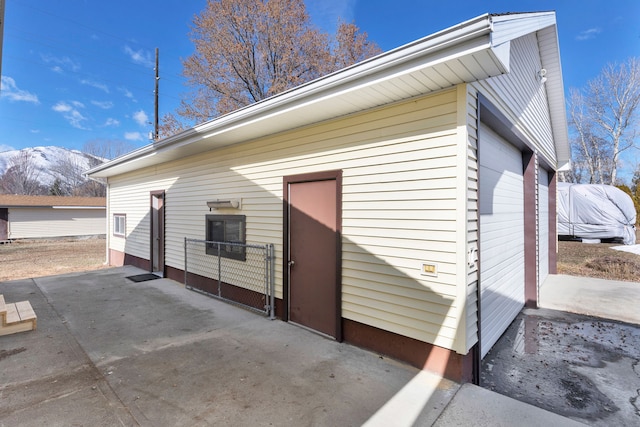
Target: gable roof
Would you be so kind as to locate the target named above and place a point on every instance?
(12, 200)
(473, 50)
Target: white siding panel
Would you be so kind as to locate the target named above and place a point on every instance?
(501, 236)
(522, 97)
(399, 188)
(35, 223)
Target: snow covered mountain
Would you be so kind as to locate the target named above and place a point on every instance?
(53, 163)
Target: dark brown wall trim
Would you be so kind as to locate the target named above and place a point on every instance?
(118, 259)
(235, 293)
(530, 232)
(422, 355)
(553, 226)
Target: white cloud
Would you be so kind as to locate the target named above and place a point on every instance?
(141, 117)
(60, 63)
(591, 33)
(105, 105)
(111, 122)
(57, 69)
(127, 93)
(71, 114)
(4, 147)
(326, 13)
(34, 130)
(141, 56)
(9, 89)
(133, 136)
(103, 87)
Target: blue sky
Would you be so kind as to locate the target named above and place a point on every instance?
(81, 70)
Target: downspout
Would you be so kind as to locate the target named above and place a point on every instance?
(107, 222)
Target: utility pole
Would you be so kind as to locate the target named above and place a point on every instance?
(1, 31)
(155, 121)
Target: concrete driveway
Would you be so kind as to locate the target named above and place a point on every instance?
(108, 352)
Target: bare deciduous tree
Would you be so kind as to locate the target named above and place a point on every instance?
(247, 50)
(72, 169)
(22, 176)
(170, 125)
(106, 149)
(352, 46)
(605, 119)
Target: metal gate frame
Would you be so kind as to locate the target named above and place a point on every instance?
(215, 270)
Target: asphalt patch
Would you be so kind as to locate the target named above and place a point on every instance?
(577, 366)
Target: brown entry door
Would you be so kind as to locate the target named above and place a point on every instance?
(314, 250)
(4, 223)
(157, 232)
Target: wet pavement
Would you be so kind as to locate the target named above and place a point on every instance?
(580, 367)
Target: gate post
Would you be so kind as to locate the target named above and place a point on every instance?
(272, 271)
(185, 262)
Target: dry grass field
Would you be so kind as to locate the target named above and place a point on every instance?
(37, 258)
(598, 260)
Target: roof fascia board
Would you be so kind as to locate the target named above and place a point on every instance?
(509, 27)
(551, 61)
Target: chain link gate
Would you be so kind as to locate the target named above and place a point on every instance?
(239, 273)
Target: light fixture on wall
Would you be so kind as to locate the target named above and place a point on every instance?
(221, 204)
(542, 75)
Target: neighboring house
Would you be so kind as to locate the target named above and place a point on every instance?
(37, 217)
(410, 197)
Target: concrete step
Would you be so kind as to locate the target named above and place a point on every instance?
(16, 317)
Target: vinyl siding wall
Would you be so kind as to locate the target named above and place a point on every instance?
(522, 98)
(36, 223)
(401, 174)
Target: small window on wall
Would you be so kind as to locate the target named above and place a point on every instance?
(227, 229)
(119, 225)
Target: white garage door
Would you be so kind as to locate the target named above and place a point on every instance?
(501, 236)
(543, 223)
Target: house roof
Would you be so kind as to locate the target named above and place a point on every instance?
(473, 50)
(13, 201)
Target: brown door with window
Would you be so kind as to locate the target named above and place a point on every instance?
(4, 223)
(314, 251)
(157, 232)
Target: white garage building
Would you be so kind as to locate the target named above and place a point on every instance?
(414, 190)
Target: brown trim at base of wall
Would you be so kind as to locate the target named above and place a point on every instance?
(422, 355)
(118, 259)
(206, 284)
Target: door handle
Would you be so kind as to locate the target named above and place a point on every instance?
(291, 263)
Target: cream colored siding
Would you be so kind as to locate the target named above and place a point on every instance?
(400, 169)
(35, 223)
(521, 97)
